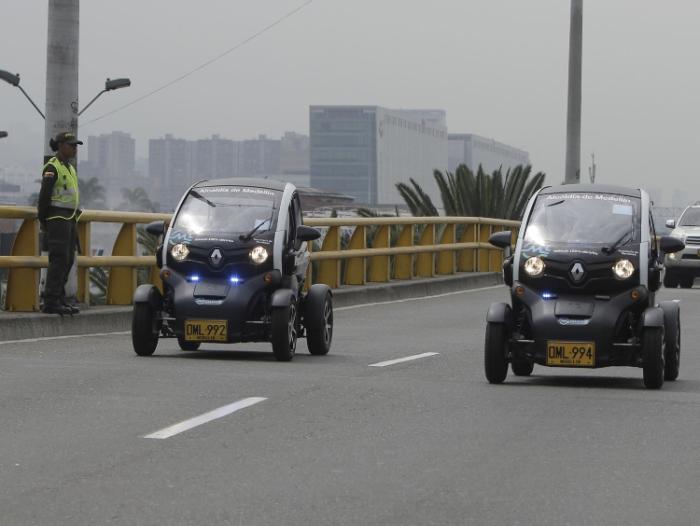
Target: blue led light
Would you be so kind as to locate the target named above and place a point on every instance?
(235, 280)
(194, 277)
(548, 295)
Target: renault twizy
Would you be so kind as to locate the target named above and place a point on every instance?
(233, 265)
(583, 278)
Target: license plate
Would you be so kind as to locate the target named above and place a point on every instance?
(206, 330)
(571, 354)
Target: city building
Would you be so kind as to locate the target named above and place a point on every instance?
(214, 158)
(169, 170)
(475, 151)
(364, 151)
(259, 157)
(111, 159)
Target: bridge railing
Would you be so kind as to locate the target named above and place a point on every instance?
(353, 251)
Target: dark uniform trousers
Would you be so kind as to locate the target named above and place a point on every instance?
(62, 235)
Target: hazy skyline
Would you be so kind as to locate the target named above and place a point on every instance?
(497, 67)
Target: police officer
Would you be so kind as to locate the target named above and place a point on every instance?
(58, 211)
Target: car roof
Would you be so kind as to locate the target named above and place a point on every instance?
(592, 188)
(269, 184)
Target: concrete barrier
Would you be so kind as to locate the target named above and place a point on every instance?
(20, 326)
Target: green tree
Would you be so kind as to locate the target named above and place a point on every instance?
(481, 195)
(136, 200)
(92, 193)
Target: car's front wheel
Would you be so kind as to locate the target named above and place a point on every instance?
(653, 356)
(495, 350)
(318, 319)
(284, 332)
(144, 336)
(672, 339)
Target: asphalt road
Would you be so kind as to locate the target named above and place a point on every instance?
(335, 440)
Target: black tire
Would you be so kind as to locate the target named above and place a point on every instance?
(144, 336)
(187, 346)
(670, 281)
(284, 332)
(495, 349)
(522, 368)
(653, 355)
(672, 339)
(318, 320)
(687, 282)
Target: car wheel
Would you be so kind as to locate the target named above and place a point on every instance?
(495, 348)
(284, 332)
(672, 339)
(144, 336)
(318, 319)
(670, 281)
(687, 282)
(187, 345)
(522, 368)
(653, 356)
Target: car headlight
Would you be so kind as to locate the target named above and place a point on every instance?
(179, 251)
(534, 266)
(673, 255)
(258, 255)
(623, 269)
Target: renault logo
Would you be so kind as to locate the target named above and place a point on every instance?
(216, 257)
(577, 272)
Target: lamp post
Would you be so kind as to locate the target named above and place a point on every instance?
(14, 81)
(110, 84)
(573, 118)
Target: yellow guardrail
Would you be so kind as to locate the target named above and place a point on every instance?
(354, 251)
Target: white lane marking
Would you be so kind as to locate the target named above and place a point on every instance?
(203, 419)
(48, 338)
(406, 359)
(418, 299)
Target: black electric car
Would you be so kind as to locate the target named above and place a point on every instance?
(233, 264)
(582, 279)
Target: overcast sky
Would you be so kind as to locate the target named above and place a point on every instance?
(498, 67)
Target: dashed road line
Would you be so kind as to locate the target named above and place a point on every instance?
(405, 359)
(190, 423)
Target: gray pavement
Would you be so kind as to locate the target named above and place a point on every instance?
(339, 442)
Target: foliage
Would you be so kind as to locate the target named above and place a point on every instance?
(481, 195)
(92, 193)
(137, 200)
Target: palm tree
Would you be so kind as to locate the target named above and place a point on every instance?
(136, 200)
(480, 195)
(92, 193)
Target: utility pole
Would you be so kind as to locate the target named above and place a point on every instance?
(61, 70)
(573, 118)
(591, 169)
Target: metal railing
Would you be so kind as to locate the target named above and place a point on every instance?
(354, 251)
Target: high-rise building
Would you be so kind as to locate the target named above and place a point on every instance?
(475, 151)
(214, 158)
(364, 151)
(169, 169)
(111, 159)
(259, 156)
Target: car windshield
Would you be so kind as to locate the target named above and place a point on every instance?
(229, 209)
(691, 217)
(584, 219)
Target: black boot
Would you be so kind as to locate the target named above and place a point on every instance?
(74, 309)
(55, 307)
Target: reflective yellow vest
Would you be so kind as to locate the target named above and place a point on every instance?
(65, 190)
